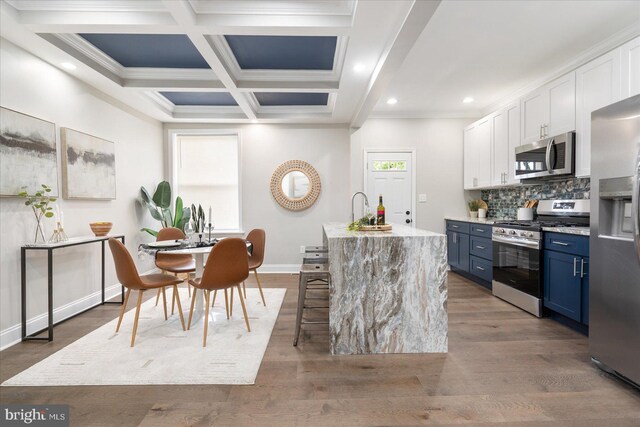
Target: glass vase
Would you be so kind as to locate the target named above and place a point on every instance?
(38, 238)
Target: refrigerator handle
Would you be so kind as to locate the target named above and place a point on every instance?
(636, 206)
(548, 155)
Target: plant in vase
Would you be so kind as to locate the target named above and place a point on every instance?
(473, 208)
(39, 203)
(197, 219)
(160, 208)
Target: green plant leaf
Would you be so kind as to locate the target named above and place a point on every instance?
(49, 214)
(167, 218)
(153, 210)
(162, 196)
(186, 214)
(150, 231)
(177, 218)
(53, 199)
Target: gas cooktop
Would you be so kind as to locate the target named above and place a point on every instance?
(538, 224)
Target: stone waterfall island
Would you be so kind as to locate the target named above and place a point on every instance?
(388, 290)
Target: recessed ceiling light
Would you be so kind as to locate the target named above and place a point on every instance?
(68, 66)
(359, 67)
(467, 100)
(392, 101)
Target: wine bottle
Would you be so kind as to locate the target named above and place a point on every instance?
(380, 216)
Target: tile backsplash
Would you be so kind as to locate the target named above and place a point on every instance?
(504, 202)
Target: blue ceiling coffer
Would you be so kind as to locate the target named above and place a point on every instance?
(291, 98)
(283, 52)
(149, 50)
(219, 99)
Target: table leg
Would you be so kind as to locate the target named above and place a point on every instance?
(23, 290)
(50, 291)
(102, 242)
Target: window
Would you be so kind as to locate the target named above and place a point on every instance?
(389, 165)
(206, 172)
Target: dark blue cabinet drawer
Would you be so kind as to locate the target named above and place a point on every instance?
(567, 243)
(457, 226)
(481, 267)
(481, 247)
(481, 230)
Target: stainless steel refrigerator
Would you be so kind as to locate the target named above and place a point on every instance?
(614, 294)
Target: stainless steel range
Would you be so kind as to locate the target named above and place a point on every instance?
(517, 251)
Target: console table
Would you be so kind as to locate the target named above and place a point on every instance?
(50, 247)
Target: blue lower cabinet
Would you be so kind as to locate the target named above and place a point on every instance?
(566, 284)
(562, 287)
(458, 250)
(481, 267)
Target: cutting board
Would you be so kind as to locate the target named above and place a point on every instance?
(386, 227)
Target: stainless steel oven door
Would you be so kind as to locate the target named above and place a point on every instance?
(518, 265)
(548, 157)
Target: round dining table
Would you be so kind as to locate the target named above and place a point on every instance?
(198, 253)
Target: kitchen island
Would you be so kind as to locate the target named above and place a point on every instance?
(388, 291)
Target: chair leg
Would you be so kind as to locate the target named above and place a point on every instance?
(177, 297)
(244, 309)
(164, 304)
(259, 287)
(193, 302)
(189, 289)
(206, 317)
(226, 302)
(135, 321)
(302, 290)
(173, 300)
(215, 294)
(158, 297)
(231, 303)
(124, 306)
(244, 288)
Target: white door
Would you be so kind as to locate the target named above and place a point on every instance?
(562, 105)
(500, 141)
(470, 163)
(390, 174)
(631, 68)
(483, 152)
(534, 115)
(513, 136)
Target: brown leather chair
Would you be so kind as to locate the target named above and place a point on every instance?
(227, 267)
(173, 263)
(129, 278)
(257, 237)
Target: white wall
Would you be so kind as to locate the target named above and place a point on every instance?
(263, 148)
(439, 147)
(33, 87)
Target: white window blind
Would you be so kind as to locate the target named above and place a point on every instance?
(208, 174)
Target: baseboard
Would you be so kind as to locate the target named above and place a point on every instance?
(13, 334)
(279, 268)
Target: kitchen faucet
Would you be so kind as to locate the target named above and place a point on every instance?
(366, 203)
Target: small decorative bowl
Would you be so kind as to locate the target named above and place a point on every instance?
(101, 229)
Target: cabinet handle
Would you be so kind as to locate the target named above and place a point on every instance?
(480, 247)
(575, 261)
(454, 226)
(479, 230)
(479, 268)
(546, 130)
(582, 267)
(540, 132)
(454, 237)
(559, 243)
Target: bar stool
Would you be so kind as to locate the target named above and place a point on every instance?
(315, 258)
(310, 273)
(316, 249)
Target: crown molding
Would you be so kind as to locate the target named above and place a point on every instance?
(257, 7)
(417, 114)
(88, 5)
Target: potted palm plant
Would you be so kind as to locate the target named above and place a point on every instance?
(473, 208)
(160, 208)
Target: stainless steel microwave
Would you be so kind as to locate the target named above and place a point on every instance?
(546, 158)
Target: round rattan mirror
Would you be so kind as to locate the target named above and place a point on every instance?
(295, 185)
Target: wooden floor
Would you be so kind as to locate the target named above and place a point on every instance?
(503, 366)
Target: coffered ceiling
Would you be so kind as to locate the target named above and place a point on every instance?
(221, 60)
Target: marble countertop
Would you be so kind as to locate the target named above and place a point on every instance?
(488, 221)
(338, 230)
(581, 231)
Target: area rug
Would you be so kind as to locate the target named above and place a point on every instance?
(163, 352)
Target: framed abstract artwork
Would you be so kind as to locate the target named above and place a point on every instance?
(88, 166)
(28, 153)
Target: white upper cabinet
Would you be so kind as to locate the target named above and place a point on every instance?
(630, 60)
(477, 155)
(505, 137)
(549, 110)
(597, 85)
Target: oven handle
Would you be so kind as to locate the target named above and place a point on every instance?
(524, 244)
(547, 157)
